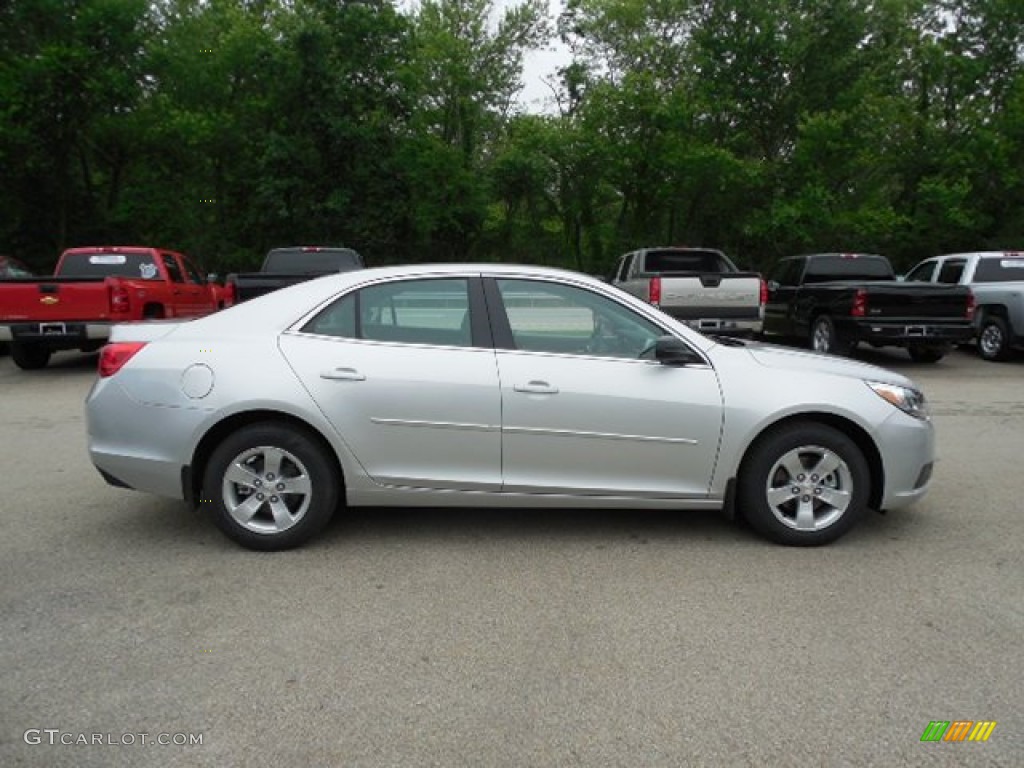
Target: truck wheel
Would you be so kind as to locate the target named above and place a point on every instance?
(994, 339)
(271, 486)
(804, 484)
(825, 339)
(926, 354)
(30, 357)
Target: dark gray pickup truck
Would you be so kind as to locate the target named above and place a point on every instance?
(834, 301)
(287, 266)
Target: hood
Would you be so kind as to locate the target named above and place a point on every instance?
(772, 356)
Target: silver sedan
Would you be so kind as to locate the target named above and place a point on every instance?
(494, 385)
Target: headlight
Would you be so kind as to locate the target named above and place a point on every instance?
(908, 400)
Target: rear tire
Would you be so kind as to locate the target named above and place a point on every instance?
(994, 339)
(271, 486)
(30, 357)
(926, 354)
(803, 484)
(825, 339)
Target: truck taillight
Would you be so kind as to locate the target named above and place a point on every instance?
(972, 304)
(114, 356)
(654, 291)
(229, 294)
(860, 303)
(764, 291)
(120, 301)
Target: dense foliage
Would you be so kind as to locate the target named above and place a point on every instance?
(764, 127)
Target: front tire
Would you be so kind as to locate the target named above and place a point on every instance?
(30, 357)
(804, 484)
(994, 339)
(825, 339)
(271, 486)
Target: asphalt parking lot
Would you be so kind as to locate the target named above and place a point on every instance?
(497, 638)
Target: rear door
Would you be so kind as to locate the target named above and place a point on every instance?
(405, 371)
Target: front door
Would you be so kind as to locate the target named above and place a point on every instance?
(585, 410)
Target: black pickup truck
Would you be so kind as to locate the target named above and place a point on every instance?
(287, 266)
(833, 301)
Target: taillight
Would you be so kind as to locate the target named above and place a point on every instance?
(114, 356)
(972, 304)
(860, 303)
(654, 291)
(120, 301)
(229, 294)
(764, 291)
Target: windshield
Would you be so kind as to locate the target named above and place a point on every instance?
(138, 265)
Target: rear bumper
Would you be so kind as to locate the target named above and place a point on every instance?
(55, 335)
(716, 324)
(905, 333)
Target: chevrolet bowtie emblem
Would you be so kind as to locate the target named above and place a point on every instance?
(49, 300)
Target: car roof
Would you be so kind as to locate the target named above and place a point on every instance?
(282, 308)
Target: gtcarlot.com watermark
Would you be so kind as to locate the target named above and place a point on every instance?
(56, 736)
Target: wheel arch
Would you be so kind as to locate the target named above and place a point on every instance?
(992, 310)
(192, 478)
(850, 428)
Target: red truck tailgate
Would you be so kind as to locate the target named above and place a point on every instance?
(54, 298)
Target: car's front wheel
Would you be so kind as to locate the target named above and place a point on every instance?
(271, 486)
(803, 484)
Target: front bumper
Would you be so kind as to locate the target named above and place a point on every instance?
(907, 447)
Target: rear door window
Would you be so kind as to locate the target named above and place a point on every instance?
(952, 270)
(173, 268)
(434, 312)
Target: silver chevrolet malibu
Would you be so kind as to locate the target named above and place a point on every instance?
(494, 385)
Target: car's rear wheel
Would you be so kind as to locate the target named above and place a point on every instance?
(921, 354)
(994, 339)
(804, 484)
(271, 486)
(30, 357)
(824, 337)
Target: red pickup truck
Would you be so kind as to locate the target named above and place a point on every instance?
(93, 288)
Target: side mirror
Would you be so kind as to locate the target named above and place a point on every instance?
(669, 350)
(213, 277)
(773, 285)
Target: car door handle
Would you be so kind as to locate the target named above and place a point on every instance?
(342, 374)
(536, 387)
